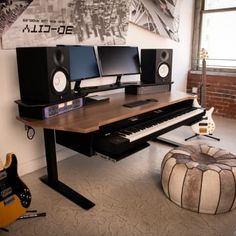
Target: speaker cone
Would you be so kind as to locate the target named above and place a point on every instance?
(59, 82)
(163, 70)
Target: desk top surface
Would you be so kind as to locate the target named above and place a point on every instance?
(89, 118)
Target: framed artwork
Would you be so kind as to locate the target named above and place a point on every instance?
(53, 22)
(158, 16)
(9, 12)
(95, 22)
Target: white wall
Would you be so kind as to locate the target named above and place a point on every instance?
(30, 153)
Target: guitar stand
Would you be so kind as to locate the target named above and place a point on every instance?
(196, 135)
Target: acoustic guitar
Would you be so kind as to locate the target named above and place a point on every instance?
(206, 126)
(15, 196)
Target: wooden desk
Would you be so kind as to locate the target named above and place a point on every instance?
(89, 119)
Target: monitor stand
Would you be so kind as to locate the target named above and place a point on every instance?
(77, 85)
(118, 78)
(118, 84)
(84, 91)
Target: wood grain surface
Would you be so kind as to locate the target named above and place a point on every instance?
(89, 118)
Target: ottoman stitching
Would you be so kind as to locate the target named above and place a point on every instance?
(199, 201)
(219, 194)
(234, 191)
(183, 185)
(169, 179)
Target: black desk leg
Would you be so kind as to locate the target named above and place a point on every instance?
(52, 178)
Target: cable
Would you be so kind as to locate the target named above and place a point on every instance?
(30, 132)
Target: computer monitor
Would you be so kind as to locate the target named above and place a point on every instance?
(118, 61)
(83, 63)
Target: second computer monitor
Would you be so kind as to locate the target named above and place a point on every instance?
(118, 61)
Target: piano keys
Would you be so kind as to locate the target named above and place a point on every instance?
(139, 131)
(127, 136)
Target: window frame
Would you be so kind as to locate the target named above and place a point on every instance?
(197, 29)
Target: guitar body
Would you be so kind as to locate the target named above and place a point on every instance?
(15, 196)
(206, 126)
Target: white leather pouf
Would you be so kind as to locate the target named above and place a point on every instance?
(200, 178)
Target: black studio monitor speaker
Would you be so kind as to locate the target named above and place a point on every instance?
(156, 66)
(44, 74)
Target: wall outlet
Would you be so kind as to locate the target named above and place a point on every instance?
(194, 90)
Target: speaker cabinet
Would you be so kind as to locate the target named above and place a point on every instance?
(156, 66)
(44, 74)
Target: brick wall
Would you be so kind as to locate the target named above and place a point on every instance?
(220, 93)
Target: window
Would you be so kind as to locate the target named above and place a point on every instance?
(214, 30)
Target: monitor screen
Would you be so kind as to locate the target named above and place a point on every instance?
(83, 63)
(118, 60)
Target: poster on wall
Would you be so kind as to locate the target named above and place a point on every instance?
(158, 16)
(9, 12)
(53, 22)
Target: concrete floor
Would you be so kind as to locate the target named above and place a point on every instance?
(128, 196)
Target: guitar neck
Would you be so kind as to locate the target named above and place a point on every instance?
(203, 87)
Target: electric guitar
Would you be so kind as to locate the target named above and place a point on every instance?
(206, 126)
(15, 196)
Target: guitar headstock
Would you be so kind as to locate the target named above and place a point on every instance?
(203, 54)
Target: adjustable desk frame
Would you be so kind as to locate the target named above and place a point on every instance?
(51, 179)
(113, 110)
